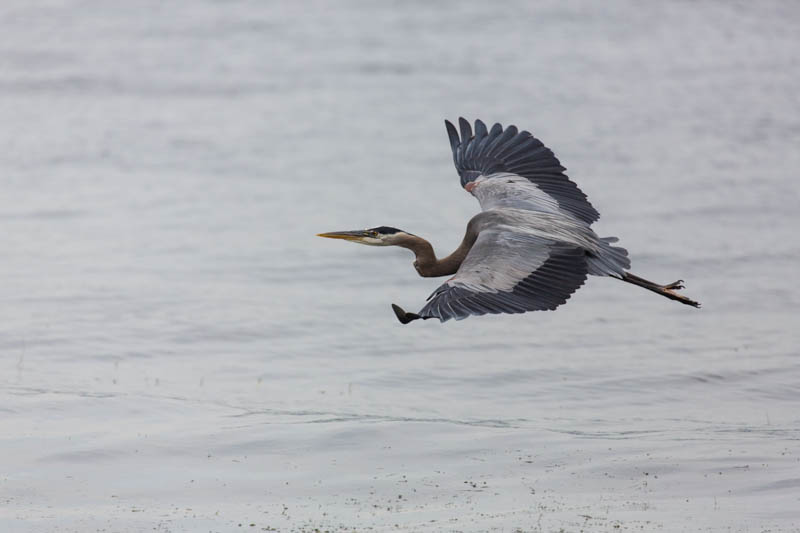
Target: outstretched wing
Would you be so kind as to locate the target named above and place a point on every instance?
(523, 172)
(509, 272)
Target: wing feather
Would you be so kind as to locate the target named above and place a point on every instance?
(502, 151)
(452, 134)
(495, 132)
(507, 271)
(480, 130)
(466, 130)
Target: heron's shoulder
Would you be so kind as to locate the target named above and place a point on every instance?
(487, 219)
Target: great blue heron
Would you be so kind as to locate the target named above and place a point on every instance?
(530, 248)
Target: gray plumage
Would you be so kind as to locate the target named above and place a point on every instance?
(532, 245)
(535, 245)
(523, 259)
(518, 153)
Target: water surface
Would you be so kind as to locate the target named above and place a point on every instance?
(179, 352)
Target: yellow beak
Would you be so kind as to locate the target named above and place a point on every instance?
(346, 235)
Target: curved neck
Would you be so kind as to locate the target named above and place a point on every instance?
(427, 264)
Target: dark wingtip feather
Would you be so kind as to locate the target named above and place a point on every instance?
(466, 139)
(452, 134)
(466, 129)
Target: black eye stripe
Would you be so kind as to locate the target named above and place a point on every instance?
(384, 230)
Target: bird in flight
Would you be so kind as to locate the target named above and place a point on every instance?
(529, 249)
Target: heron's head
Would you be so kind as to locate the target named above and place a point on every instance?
(380, 236)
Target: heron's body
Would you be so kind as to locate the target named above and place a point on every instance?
(532, 245)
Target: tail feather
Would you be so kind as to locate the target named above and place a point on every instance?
(609, 260)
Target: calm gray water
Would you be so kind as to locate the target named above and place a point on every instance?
(179, 352)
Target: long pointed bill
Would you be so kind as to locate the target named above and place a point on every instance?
(346, 235)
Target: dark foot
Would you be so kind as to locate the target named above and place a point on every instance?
(682, 299)
(667, 290)
(402, 316)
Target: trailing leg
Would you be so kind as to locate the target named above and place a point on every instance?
(664, 290)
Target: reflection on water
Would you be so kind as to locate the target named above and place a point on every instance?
(181, 353)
